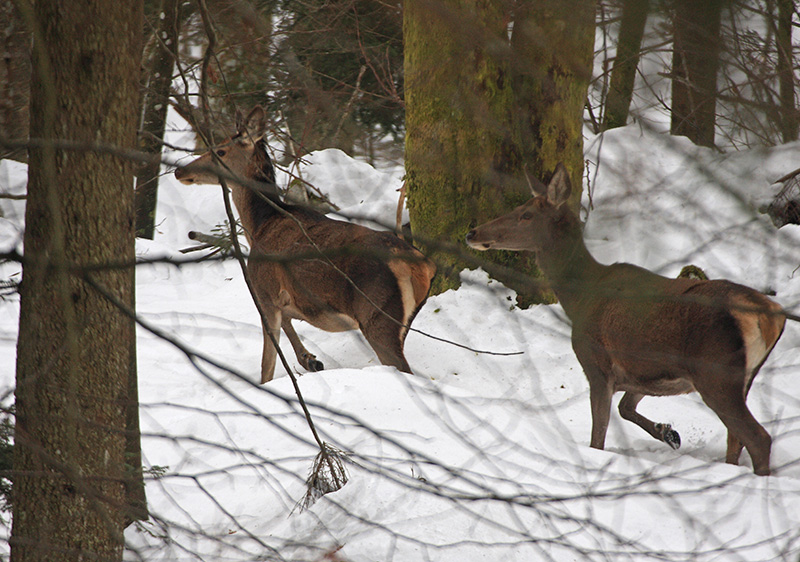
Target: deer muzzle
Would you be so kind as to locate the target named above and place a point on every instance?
(474, 241)
(183, 176)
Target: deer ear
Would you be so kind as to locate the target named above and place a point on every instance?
(241, 126)
(254, 125)
(537, 187)
(559, 189)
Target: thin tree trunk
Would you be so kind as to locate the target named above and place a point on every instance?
(695, 61)
(74, 348)
(783, 40)
(158, 79)
(623, 72)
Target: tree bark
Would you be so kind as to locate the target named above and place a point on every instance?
(695, 61)
(552, 47)
(15, 73)
(476, 123)
(623, 71)
(74, 352)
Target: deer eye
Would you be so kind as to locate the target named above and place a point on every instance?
(221, 152)
(526, 216)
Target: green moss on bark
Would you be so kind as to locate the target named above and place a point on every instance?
(479, 117)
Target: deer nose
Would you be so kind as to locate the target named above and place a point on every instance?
(470, 235)
(183, 176)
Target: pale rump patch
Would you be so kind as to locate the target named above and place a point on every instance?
(754, 345)
(761, 325)
(403, 274)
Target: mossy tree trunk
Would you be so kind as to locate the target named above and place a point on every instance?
(482, 110)
(623, 71)
(552, 48)
(74, 353)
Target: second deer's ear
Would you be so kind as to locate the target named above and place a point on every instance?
(559, 188)
(254, 125)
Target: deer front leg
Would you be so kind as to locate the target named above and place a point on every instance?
(601, 389)
(269, 354)
(600, 392)
(661, 431)
(307, 359)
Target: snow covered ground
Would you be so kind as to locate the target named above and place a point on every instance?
(477, 457)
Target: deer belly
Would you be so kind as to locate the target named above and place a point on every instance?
(652, 380)
(332, 322)
(318, 316)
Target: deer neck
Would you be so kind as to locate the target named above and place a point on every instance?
(571, 270)
(256, 205)
(241, 200)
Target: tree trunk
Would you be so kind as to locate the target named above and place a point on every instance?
(552, 47)
(15, 74)
(470, 137)
(74, 353)
(783, 40)
(695, 60)
(623, 72)
(157, 80)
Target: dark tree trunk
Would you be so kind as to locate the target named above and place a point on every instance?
(623, 72)
(74, 352)
(15, 74)
(695, 61)
(783, 40)
(157, 81)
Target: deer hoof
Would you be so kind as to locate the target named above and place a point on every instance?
(669, 435)
(313, 365)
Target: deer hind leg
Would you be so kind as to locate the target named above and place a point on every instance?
(307, 359)
(385, 336)
(661, 431)
(735, 446)
(728, 402)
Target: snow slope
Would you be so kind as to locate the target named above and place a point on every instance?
(477, 457)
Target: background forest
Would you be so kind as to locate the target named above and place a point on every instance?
(134, 427)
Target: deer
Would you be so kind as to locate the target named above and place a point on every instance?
(643, 334)
(303, 265)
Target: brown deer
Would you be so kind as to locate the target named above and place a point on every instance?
(344, 277)
(644, 334)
